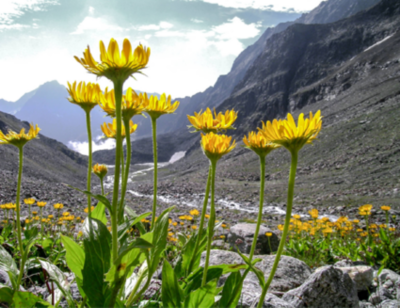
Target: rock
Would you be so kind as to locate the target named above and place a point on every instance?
(4, 278)
(153, 289)
(250, 298)
(290, 273)
(241, 236)
(361, 275)
(344, 263)
(328, 288)
(389, 304)
(221, 244)
(388, 287)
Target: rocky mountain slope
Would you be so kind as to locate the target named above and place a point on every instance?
(350, 70)
(47, 164)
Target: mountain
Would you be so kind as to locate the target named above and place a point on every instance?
(14, 107)
(350, 70)
(326, 12)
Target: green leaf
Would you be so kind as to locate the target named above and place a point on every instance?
(61, 281)
(258, 272)
(194, 280)
(97, 247)
(160, 232)
(231, 292)
(32, 239)
(28, 300)
(75, 256)
(202, 297)
(129, 224)
(99, 213)
(171, 292)
(7, 262)
(6, 294)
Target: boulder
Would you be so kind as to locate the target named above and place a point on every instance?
(328, 288)
(388, 287)
(361, 275)
(290, 273)
(242, 234)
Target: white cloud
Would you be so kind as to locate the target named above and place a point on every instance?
(13, 27)
(161, 25)
(197, 21)
(11, 9)
(82, 147)
(236, 28)
(90, 23)
(274, 5)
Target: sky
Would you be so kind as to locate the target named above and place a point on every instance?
(192, 41)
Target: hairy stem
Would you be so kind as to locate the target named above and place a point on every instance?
(292, 178)
(211, 222)
(18, 222)
(154, 130)
(128, 161)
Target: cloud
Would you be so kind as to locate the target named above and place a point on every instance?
(11, 9)
(197, 21)
(82, 147)
(273, 5)
(225, 37)
(161, 25)
(90, 23)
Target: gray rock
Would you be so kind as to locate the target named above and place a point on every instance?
(250, 298)
(388, 287)
(241, 236)
(4, 278)
(389, 304)
(344, 263)
(221, 244)
(328, 288)
(290, 273)
(366, 305)
(361, 275)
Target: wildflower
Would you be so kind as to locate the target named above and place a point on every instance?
(385, 208)
(174, 224)
(257, 142)
(296, 216)
(194, 227)
(313, 213)
(356, 221)
(80, 233)
(173, 239)
(292, 137)
(44, 220)
(280, 227)
(215, 146)
(27, 221)
(41, 204)
(207, 216)
(110, 129)
(34, 212)
(145, 220)
(86, 96)
(19, 140)
(170, 233)
(269, 234)
(392, 229)
(116, 66)
(327, 230)
(224, 226)
(50, 216)
(29, 201)
(65, 214)
(86, 210)
(100, 170)
(156, 107)
(222, 236)
(181, 223)
(58, 206)
(207, 123)
(194, 212)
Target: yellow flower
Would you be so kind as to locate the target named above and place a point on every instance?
(80, 233)
(86, 210)
(114, 65)
(365, 207)
(34, 212)
(132, 103)
(385, 208)
(44, 220)
(29, 201)
(296, 216)
(172, 239)
(313, 213)
(259, 144)
(280, 227)
(110, 130)
(207, 216)
(194, 227)
(224, 226)
(392, 229)
(100, 170)
(87, 96)
(41, 204)
(222, 236)
(208, 123)
(174, 224)
(269, 234)
(27, 221)
(215, 146)
(65, 214)
(58, 206)
(292, 137)
(19, 140)
(194, 212)
(356, 221)
(327, 230)
(181, 223)
(50, 216)
(145, 220)
(156, 107)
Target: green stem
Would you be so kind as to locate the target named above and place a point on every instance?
(128, 161)
(123, 160)
(260, 207)
(203, 214)
(211, 222)
(114, 215)
(89, 172)
(102, 186)
(41, 222)
(134, 296)
(292, 178)
(154, 130)
(18, 222)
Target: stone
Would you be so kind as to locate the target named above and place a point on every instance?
(388, 287)
(328, 288)
(242, 234)
(153, 289)
(221, 244)
(290, 273)
(389, 304)
(361, 275)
